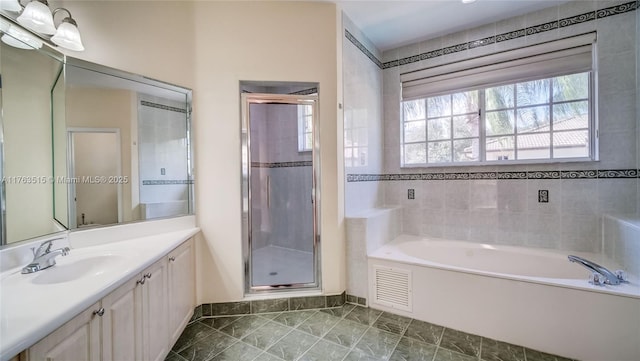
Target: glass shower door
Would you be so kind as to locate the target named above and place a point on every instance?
(281, 211)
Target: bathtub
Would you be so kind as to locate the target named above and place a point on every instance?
(530, 297)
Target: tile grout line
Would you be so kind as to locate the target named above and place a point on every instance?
(364, 333)
(399, 339)
(237, 339)
(290, 331)
(437, 343)
(326, 333)
(280, 339)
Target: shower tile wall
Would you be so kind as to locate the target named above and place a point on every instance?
(507, 211)
(362, 80)
(162, 148)
(283, 225)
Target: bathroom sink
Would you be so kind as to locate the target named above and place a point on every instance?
(74, 269)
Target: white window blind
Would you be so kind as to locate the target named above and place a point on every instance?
(568, 55)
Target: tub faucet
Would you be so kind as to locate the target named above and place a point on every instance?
(609, 277)
(44, 257)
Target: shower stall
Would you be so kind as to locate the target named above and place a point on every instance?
(280, 192)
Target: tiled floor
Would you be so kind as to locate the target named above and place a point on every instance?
(343, 333)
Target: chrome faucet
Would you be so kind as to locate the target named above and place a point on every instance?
(599, 272)
(44, 257)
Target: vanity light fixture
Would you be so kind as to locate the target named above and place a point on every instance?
(37, 17)
(17, 37)
(468, 1)
(67, 35)
(10, 5)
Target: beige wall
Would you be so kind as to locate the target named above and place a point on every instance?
(108, 108)
(152, 38)
(95, 154)
(258, 41)
(210, 47)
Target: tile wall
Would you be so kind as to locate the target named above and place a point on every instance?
(362, 78)
(162, 150)
(499, 204)
(362, 105)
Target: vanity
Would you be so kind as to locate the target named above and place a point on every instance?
(124, 300)
(98, 162)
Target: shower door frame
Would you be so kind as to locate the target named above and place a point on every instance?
(260, 98)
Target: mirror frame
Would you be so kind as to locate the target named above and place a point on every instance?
(103, 69)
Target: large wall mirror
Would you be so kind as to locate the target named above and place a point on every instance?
(122, 149)
(83, 145)
(27, 90)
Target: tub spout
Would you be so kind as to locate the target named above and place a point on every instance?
(610, 277)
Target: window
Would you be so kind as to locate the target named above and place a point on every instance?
(532, 104)
(542, 119)
(305, 128)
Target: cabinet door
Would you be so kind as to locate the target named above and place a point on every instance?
(78, 339)
(182, 288)
(122, 322)
(155, 324)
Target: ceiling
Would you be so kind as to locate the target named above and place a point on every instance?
(394, 23)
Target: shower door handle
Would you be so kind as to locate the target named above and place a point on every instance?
(268, 191)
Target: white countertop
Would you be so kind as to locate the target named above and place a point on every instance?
(30, 311)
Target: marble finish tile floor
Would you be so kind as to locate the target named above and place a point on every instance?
(344, 333)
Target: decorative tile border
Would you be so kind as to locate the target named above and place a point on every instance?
(304, 163)
(268, 305)
(531, 30)
(299, 92)
(552, 174)
(363, 49)
(166, 182)
(162, 106)
(306, 92)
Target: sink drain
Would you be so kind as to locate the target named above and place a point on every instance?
(273, 273)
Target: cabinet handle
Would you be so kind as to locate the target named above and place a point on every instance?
(141, 281)
(172, 259)
(148, 275)
(99, 312)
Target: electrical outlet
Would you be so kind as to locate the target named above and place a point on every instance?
(543, 196)
(163, 171)
(411, 194)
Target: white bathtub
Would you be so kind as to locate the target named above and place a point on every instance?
(530, 297)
